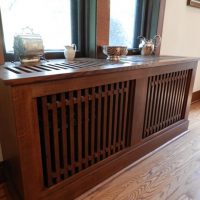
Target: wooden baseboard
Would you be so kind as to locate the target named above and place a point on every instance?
(196, 96)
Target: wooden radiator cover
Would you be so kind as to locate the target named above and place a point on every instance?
(83, 127)
(68, 126)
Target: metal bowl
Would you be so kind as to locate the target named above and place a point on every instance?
(115, 52)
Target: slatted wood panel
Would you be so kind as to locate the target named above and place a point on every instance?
(166, 100)
(82, 127)
(56, 66)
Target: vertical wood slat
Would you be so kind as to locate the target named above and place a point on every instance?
(151, 103)
(181, 85)
(64, 134)
(125, 114)
(56, 139)
(105, 121)
(162, 85)
(186, 76)
(154, 103)
(115, 117)
(169, 100)
(93, 126)
(72, 148)
(158, 103)
(165, 101)
(79, 129)
(110, 118)
(170, 113)
(47, 141)
(183, 89)
(177, 82)
(131, 108)
(189, 94)
(120, 117)
(179, 93)
(99, 127)
(86, 126)
(147, 108)
(139, 97)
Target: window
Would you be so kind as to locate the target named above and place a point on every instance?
(122, 21)
(51, 19)
(83, 22)
(132, 18)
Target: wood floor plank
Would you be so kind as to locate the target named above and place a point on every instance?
(172, 173)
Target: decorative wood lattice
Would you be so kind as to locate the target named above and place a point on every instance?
(82, 127)
(52, 66)
(166, 100)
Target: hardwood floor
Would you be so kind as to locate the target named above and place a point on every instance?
(172, 173)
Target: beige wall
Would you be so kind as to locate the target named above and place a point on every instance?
(181, 32)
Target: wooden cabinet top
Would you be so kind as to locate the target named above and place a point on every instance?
(15, 74)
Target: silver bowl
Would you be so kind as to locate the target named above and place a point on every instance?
(115, 52)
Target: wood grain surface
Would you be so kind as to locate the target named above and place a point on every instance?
(172, 173)
(4, 192)
(15, 74)
(80, 98)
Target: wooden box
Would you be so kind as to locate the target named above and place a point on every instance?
(65, 127)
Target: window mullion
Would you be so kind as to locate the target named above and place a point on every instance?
(2, 59)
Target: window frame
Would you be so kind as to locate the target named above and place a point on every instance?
(93, 31)
(2, 56)
(77, 16)
(103, 21)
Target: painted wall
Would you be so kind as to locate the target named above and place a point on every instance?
(181, 32)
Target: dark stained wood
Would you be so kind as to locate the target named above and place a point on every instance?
(84, 123)
(64, 134)
(8, 136)
(110, 118)
(124, 131)
(105, 121)
(4, 194)
(196, 96)
(164, 161)
(99, 127)
(79, 130)
(188, 98)
(139, 111)
(120, 116)
(85, 67)
(86, 126)
(102, 26)
(93, 125)
(115, 117)
(47, 139)
(56, 139)
(193, 3)
(72, 148)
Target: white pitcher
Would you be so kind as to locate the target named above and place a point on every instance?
(70, 52)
